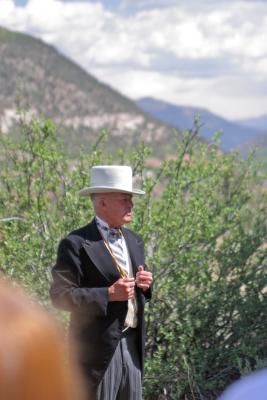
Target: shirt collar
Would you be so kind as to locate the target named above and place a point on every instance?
(104, 228)
(101, 222)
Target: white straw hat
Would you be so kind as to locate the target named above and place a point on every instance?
(111, 178)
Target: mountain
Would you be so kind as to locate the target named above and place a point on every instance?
(259, 146)
(258, 122)
(81, 105)
(182, 117)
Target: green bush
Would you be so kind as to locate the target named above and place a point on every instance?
(203, 221)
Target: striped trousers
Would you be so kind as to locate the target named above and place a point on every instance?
(122, 379)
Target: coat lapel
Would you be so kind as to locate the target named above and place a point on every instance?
(97, 252)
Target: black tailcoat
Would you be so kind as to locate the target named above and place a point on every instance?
(83, 272)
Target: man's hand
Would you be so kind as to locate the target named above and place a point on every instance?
(143, 278)
(121, 290)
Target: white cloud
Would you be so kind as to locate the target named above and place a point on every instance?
(179, 51)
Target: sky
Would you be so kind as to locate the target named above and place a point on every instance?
(210, 53)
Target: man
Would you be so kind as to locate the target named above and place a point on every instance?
(99, 277)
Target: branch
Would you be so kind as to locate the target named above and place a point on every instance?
(12, 219)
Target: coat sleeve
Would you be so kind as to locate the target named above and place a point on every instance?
(66, 290)
(147, 293)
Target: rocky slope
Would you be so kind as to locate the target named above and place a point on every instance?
(81, 105)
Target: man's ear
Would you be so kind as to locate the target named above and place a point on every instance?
(103, 202)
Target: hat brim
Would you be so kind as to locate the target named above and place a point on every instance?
(101, 189)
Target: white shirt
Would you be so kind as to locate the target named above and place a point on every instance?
(131, 317)
(104, 234)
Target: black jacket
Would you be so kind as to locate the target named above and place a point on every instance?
(83, 272)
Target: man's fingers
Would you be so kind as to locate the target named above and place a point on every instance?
(143, 286)
(129, 282)
(144, 278)
(144, 275)
(126, 280)
(140, 268)
(130, 286)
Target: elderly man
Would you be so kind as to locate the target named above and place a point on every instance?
(100, 278)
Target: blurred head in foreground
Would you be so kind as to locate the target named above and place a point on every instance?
(33, 364)
(251, 387)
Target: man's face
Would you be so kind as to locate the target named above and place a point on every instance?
(117, 208)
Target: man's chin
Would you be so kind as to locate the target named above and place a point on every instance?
(127, 219)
